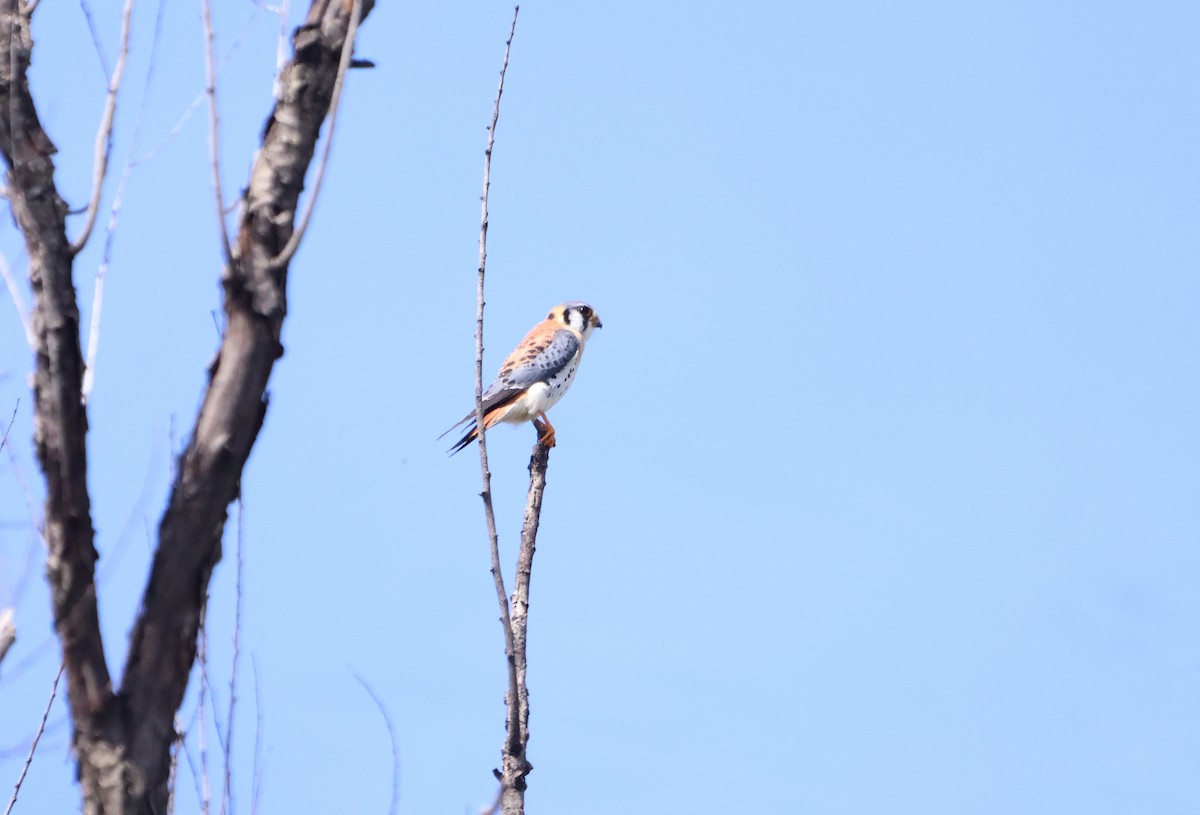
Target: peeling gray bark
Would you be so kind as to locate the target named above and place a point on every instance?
(122, 738)
(60, 420)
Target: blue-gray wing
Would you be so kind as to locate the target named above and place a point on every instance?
(540, 356)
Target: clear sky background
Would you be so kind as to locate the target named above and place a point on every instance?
(878, 491)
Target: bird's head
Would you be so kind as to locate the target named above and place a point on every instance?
(577, 316)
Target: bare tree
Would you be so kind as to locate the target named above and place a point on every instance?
(122, 736)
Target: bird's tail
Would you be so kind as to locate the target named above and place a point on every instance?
(490, 418)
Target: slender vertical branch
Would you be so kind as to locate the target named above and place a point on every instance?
(256, 770)
(515, 765)
(214, 127)
(104, 133)
(202, 658)
(93, 344)
(227, 787)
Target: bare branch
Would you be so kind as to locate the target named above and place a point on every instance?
(256, 772)
(214, 127)
(486, 494)
(176, 745)
(104, 133)
(515, 765)
(91, 23)
(93, 346)
(36, 738)
(227, 787)
(14, 292)
(202, 658)
(8, 632)
(289, 249)
(387, 720)
(197, 100)
(515, 755)
(8, 428)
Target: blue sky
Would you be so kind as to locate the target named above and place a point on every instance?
(876, 493)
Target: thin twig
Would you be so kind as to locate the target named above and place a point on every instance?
(214, 143)
(91, 22)
(480, 424)
(202, 658)
(14, 291)
(104, 133)
(93, 346)
(256, 781)
(173, 776)
(293, 242)
(227, 789)
(36, 738)
(198, 99)
(387, 720)
(11, 419)
(187, 753)
(89, 371)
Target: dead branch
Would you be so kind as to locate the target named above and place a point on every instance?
(214, 127)
(104, 133)
(93, 345)
(515, 764)
(256, 771)
(227, 786)
(391, 729)
(37, 737)
(202, 659)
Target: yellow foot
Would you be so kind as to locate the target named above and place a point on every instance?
(545, 431)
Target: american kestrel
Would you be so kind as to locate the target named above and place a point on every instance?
(536, 374)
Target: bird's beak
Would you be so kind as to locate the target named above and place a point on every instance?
(596, 321)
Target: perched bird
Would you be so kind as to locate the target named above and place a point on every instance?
(536, 374)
